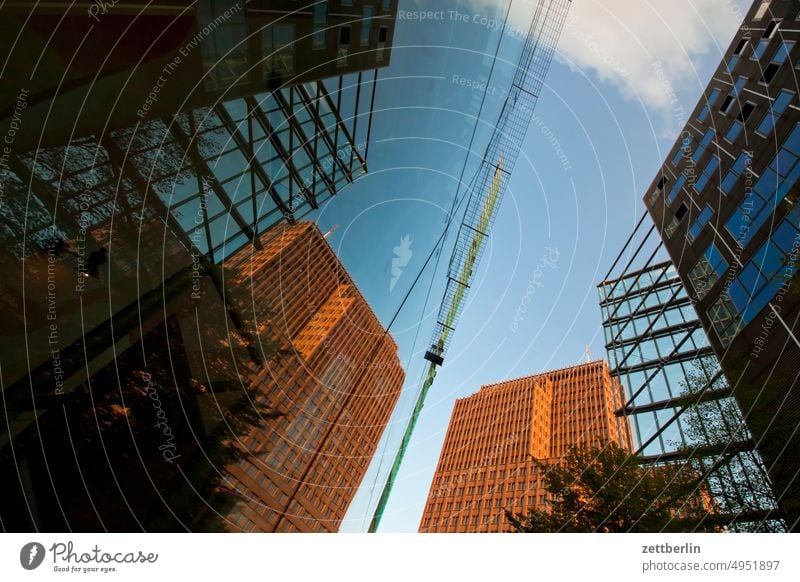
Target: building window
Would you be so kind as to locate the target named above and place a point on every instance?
(700, 222)
(707, 173)
(760, 49)
(762, 10)
(708, 270)
(734, 130)
(366, 25)
(320, 24)
(777, 109)
(726, 105)
(386, 4)
(770, 189)
(769, 73)
(771, 267)
(278, 45)
(771, 29)
(737, 169)
(658, 191)
(739, 85)
(747, 109)
(383, 33)
(676, 220)
(344, 45)
(224, 50)
(775, 64)
(701, 148)
(673, 193)
(783, 53)
(686, 146)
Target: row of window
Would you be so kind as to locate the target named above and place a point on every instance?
(759, 281)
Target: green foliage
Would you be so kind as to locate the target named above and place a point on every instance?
(606, 489)
(736, 477)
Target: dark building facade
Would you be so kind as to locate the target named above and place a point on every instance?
(725, 205)
(119, 317)
(487, 461)
(120, 63)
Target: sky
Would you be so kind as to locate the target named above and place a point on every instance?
(609, 111)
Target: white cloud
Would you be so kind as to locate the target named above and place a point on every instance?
(641, 46)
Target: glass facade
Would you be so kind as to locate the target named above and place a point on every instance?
(677, 398)
(775, 183)
(223, 174)
(765, 275)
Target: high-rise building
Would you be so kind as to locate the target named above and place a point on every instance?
(251, 399)
(487, 459)
(725, 205)
(334, 386)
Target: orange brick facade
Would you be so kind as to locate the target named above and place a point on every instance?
(334, 382)
(486, 464)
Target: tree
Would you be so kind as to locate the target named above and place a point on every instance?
(737, 479)
(606, 489)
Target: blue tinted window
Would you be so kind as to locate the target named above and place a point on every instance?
(751, 279)
(740, 82)
(703, 113)
(783, 52)
(712, 98)
(760, 48)
(758, 303)
(731, 64)
(700, 222)
(734, 131)
(792, 142)
(739, 295)
(777, 109)
(729, 181)
(686, 145)
(782, 101)
(708, 173)
(784, 236)
(769, 258)
(715, 259)
(709, 135)
(676, 188)
(767, 123)
(783, 163)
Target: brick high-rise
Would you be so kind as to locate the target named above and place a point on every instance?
(486, 464)
(334, 382)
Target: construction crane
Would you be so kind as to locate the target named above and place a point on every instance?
(485, 196)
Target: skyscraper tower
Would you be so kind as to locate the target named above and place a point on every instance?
(334, 384)
(487, 460)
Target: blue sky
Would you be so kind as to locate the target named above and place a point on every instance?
(604, 122)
